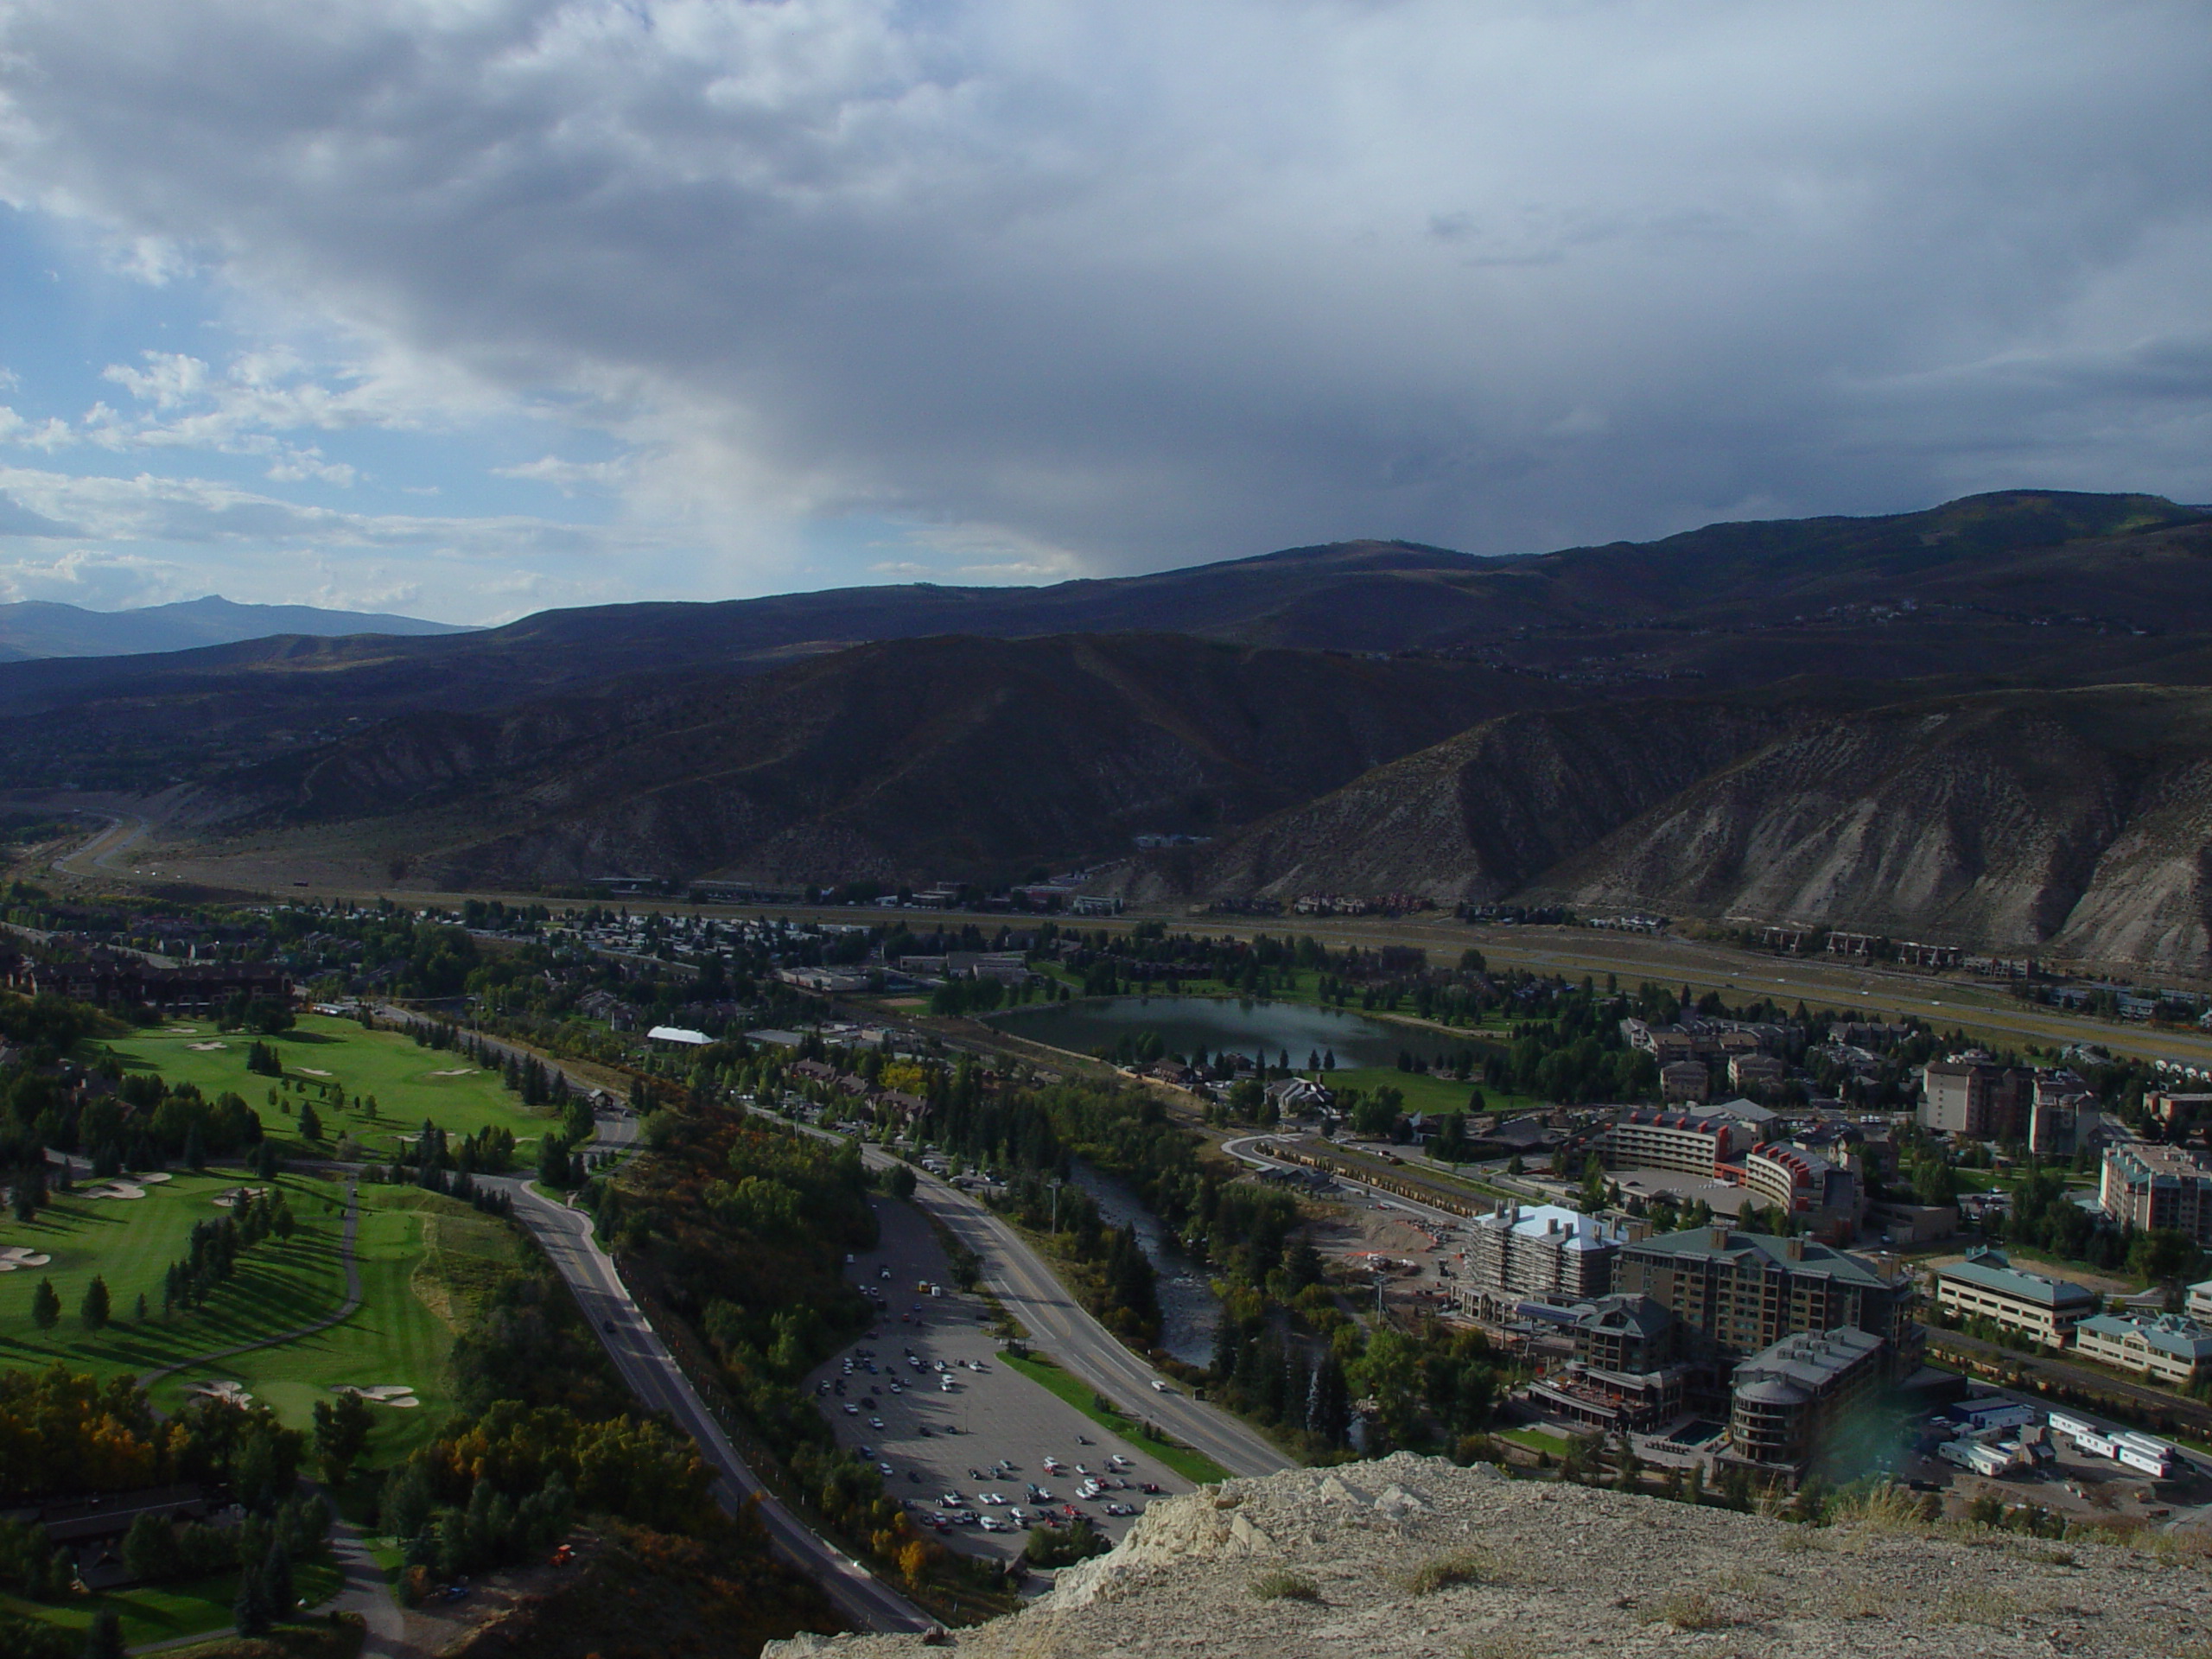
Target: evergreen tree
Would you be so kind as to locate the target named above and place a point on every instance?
(553, 1159)
(250, 1609)
(45, 1306)
(310, 1122)
(96, 1307)
(104, 1640)
(195, 1149)
(276, 1580)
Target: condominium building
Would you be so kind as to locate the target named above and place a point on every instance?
(1690, 1143)
(1970, 1095)
(1734, 1294)
(1542, 1253)
(1787, 1401)
(1988, 1286)
(1798, 1182)
(2164, 1347)
(1755, 1071)
(2151, 1187)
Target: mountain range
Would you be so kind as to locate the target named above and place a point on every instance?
(1985, 723)
(36, 628)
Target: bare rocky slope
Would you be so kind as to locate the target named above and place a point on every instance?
(907, 761)
(2075, 822)
(1413, 1558)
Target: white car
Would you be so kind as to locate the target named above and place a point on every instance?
(1158, 1387)
(851, 1410)
(885, 1469)
(875, 1422)
(992, 1523)
(950, 1499)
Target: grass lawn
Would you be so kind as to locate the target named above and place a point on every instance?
(1425, 1093)
(1536, 1441)
(131, 1242)
(422, 1260)
(163, 1612)
(409, 1083)
(1192, 1465)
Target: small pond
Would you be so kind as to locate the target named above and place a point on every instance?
(1186, 1024)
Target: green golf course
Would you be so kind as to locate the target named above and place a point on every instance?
(422, 1259)
(323, 1056)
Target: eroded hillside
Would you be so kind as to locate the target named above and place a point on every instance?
(1414, 1558)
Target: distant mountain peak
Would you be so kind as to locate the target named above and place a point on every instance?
(34, 628)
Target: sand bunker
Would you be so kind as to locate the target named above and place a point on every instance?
(16, 1256)
(311, 1072)
(206, 1048)
(158, 1177)
(237, 1196)
(114, 1189)
(457, 1072)
(182, 1031)
(231, 1394)
(398, 1395)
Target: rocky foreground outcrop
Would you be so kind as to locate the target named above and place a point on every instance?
(1410, 1557)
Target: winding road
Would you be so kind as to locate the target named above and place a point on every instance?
(653, 1375)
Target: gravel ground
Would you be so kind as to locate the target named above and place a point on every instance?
(1416, 1558)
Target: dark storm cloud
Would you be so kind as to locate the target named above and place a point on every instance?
(1148, 282)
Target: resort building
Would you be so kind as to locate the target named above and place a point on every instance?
(2153, 1186)
(1689, 1143)
(1735, 1293)
(2165, 1347)
(1787, 1401)
(1544, 1253)
(1988, 1286)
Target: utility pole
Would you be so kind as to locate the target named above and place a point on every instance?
(1056, 1185)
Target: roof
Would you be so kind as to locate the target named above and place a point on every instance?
(1623, 1312)
(1572, 1230)
(678, 1034)
(1991, 1270)
(1818, 1258)
(2170, 1334)
(1797, 1367)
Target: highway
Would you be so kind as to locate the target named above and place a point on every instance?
(653, 1374)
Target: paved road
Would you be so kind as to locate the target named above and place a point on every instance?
(366, 1590)
(653, 1374)
(97, 856)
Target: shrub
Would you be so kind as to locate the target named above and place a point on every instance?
(1442, 1571)
(1284, 1586)
(1692, 1610)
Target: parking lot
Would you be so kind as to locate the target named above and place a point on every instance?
(954, 1437)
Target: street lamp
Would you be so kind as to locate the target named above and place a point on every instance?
(1055, 1184)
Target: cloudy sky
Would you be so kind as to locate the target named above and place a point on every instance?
(468, 308)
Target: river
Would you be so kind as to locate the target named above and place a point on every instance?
(1188, 1308)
